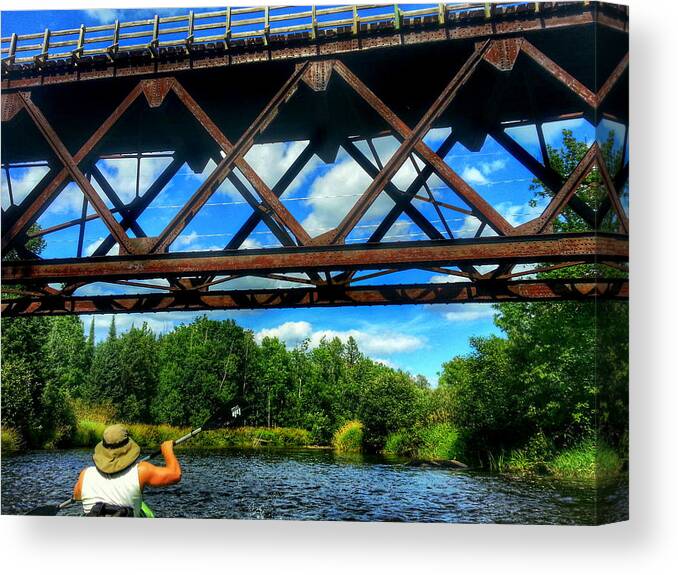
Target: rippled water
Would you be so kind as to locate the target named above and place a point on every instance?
(321, 485)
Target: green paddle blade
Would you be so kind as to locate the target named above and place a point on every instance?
(146, 511)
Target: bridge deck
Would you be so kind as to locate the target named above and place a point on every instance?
(478, 69)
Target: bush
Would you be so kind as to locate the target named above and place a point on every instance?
(349, 437)
(533, 458)
(439, 441)
(589, 460)
(58, 421)
(11, 440)
(88, 433)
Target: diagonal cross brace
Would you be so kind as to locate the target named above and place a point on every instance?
(234, 157)
(74, 172)
(451, 178)
(41, 201)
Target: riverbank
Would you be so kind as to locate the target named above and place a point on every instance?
(438, 444)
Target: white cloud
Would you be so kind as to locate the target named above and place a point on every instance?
(122, 175)
(373, 342)
(488, 168)
(23, 181)
(473, 175)
(104, 15)
(92, 246)
(470, 312)
(291, 332)
(447, 279)
(271, 161)
(385, 362)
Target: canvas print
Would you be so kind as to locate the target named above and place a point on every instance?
(334, 262)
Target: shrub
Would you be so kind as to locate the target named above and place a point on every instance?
(349, 437)
(438, 441)
(88, 433)
(11, 440)
(589, 460)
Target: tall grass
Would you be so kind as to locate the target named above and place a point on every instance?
(11, 440)
(439, 441)
(349, 438)
(589, 460)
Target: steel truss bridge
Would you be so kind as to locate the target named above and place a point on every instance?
(210, 86)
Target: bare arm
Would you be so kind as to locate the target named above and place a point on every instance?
(157, 476)
(77, 490)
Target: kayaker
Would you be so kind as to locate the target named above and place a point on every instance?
(113, 486)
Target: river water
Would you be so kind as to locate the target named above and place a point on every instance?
(310, 484)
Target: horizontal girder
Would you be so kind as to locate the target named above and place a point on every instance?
(586, 247)
(326, 296)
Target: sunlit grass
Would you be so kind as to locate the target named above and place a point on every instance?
(349, 437)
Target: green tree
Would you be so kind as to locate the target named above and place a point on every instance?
(66, 354)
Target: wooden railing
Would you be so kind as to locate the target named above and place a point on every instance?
(261, 23)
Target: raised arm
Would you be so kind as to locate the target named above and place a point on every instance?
(156, 476)
(77, 490)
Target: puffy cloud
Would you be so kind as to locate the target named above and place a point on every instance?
(373, 342)
(122, 175)
(447, 279)
(470, 312)
(23, 181)
(473, 175)
(291, 332)
(488, 168)
(104, 15)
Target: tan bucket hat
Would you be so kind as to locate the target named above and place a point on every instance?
(117, 451)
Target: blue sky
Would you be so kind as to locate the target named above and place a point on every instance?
(415, 338)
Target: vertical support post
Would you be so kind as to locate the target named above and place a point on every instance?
(355, 27)
(537, 7)
(227, 31)
(12, 49)
(9, 186)
(77, 53)
(442, 14)
(138, 174)
(267, 23)
(189, 36)
(113, 48)
(488, 10)
(314, 23)
(153, 45)
(396, 17)
(42, 57)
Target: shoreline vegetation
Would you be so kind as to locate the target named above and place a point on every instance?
(437, 445)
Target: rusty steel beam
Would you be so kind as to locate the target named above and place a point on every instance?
(325, 296)
(560, 200)
(447, 174)
(234, 156)
(138, 205)
(548, 176)
(74, 172)
(489, 250)
(39, 202)
(278, 189)
(412, 139)
(394, 193)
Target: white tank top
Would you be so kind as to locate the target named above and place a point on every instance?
(120, 489)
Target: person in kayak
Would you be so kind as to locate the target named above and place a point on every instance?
(113, 486)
